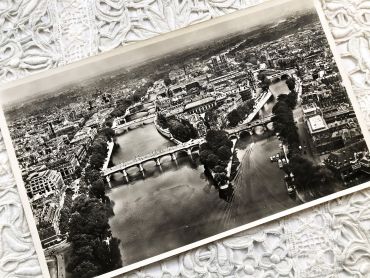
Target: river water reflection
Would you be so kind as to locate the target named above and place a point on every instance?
(176, 204)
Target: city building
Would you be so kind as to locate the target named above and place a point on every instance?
(200, 106)
(80, 152)
(219, 64)
(66, 129)
(338, 112)
(348, 161)
(162, 102)
(185, 90)
(43, 181)
(316, 124)
(231, 77)
(331, 128)
(197, 122)
(310, 109)
(98, 119)
(84, 136)
(66, 166)
(365, 163)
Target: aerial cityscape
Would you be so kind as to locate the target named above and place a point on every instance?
(144, 160)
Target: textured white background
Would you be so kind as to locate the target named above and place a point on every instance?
(332, 240)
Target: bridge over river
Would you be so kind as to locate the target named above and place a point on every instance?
(249, 126)
(140, 121)
(183, 147)
(187, 147)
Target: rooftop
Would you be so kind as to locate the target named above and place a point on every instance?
(317, 123)
(43, 172)
(346, 154)
(199, 102)
(310, 107)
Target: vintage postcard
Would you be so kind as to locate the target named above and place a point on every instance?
(159, 147)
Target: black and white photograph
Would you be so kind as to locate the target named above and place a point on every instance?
(177, 140)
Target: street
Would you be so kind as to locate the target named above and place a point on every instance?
(59, 255)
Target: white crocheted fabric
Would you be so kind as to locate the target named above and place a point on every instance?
(332, 240)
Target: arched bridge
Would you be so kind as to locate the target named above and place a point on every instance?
(280, 74)
(150, 118)
(154, 156)
(261, 100)
(250, 126)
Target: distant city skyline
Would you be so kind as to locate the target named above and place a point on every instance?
(111, 62)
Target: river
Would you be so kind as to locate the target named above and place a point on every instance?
(175, 204)
(276, 89)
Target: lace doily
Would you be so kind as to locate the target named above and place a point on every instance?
(331, 240)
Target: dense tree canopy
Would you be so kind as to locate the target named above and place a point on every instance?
(211, 118)
(89, 217)
(283, 119)
(99, 149)
(309, 176)
(121, 107)
(97, 189)
(219, 169)
(95, 251)
(221, 178)
(162, 120)
(129, 100)
(234, 118)
(108, 133)
(97, 160)
(167, 81)
(215, 154)
(245, 95)
(182, 130)
(65, 212)
(217, 138)
(238, 114)
(291, 84)
(265, 82)
(224, 153)
(211, 160)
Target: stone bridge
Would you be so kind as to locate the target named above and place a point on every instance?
(140, 121)
(155, 156)
(280, 74)
(261, 100)
(235, 132)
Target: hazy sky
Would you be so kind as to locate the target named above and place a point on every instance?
(52, 80)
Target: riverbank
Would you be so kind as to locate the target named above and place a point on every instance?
(166, 133)
(110, 146)
(178, 194)
(181, 198)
